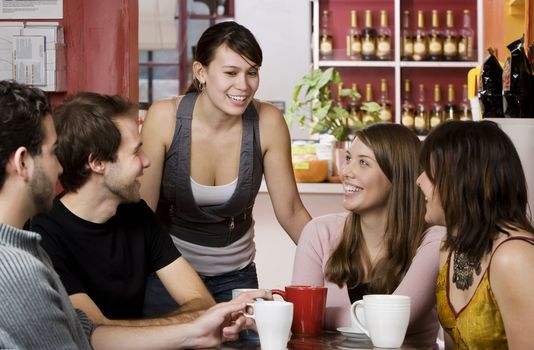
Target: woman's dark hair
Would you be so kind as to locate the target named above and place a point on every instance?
(478, 176)
(235, 36)
(86, 129)
(23, 109)
(396, 149)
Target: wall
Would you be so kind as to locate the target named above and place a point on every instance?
(101, 39)
(282, 28)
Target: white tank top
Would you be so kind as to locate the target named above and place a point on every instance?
(212, 195)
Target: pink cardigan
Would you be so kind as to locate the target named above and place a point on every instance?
(319, 238)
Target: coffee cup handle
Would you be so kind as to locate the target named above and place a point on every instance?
(279, 292)
(246, 314)
(354, 316)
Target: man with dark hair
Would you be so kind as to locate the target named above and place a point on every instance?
(35, 311)
(103, 239)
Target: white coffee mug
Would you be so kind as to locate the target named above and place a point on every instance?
(386, 318)
(273, 321)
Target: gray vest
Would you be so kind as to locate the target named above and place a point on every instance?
(217, 225)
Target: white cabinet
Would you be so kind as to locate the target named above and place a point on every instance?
(426, 72)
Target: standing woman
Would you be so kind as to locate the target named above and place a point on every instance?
(209, 150)
(382, 245)
(475, 185)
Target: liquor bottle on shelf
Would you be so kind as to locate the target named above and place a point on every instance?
(450, 41)
(339, 99)
(326, 42)
(435, 39)
(451, 111)
(408, 116)
(407, 38)
(368, 118)
(464, 109)
(465, 45)
(420, 46)
(354, 39)
(383, 48)
(436, 110)
(421, 123)
(368, 38)
(354, 107)
(386, 110)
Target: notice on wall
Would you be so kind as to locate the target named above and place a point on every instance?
(29, 59)
(31, 9)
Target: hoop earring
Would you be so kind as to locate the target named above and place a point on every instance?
(200, 86)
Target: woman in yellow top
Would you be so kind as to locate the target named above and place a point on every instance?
(474, 184)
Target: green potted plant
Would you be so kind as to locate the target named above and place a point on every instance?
(325, 115)
(315, 108)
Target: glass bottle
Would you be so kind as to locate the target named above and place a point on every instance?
(421, 116)
(436, 110)
(368, 38)
(383, 48)
(386, 111)
(435, 39)
(451, 111)
(326, 41)
(420, 47)
(464, 109)
(368, 118)
(354, 107)
(354, 39)
(407, 38)
(408, 116)
(450, 40)
(465, 45)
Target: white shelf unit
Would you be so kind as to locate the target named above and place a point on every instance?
(396, 63)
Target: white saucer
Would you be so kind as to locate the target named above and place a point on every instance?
(351, 332)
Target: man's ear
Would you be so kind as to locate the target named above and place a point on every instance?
(198, 72)
(21, 163)
(96, 166)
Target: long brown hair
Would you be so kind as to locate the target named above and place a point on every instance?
(396, 149)
(478, 176)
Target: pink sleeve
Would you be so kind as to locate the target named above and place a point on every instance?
(319, 237)
(308, 265)
(420, 281)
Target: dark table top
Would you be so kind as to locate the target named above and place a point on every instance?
(326, 340)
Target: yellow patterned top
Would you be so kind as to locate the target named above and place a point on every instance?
(479, 324)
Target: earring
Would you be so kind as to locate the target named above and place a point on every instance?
(200, 86)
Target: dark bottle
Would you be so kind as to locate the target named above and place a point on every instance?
(435, 39)
(421, 115)
(406, 37)
(450, 39)
(408, 112)
(451, 111)
(368, 38)
(420, 43)
(436, 110)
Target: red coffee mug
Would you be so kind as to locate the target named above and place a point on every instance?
(309, 304)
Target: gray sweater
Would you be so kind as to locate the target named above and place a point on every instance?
(35, 310)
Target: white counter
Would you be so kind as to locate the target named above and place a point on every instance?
(274, 248)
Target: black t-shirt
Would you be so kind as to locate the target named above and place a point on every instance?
(111, 261)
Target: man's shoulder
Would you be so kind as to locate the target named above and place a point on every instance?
(51, 221)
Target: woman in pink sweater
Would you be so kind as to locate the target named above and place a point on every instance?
(382, 244)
